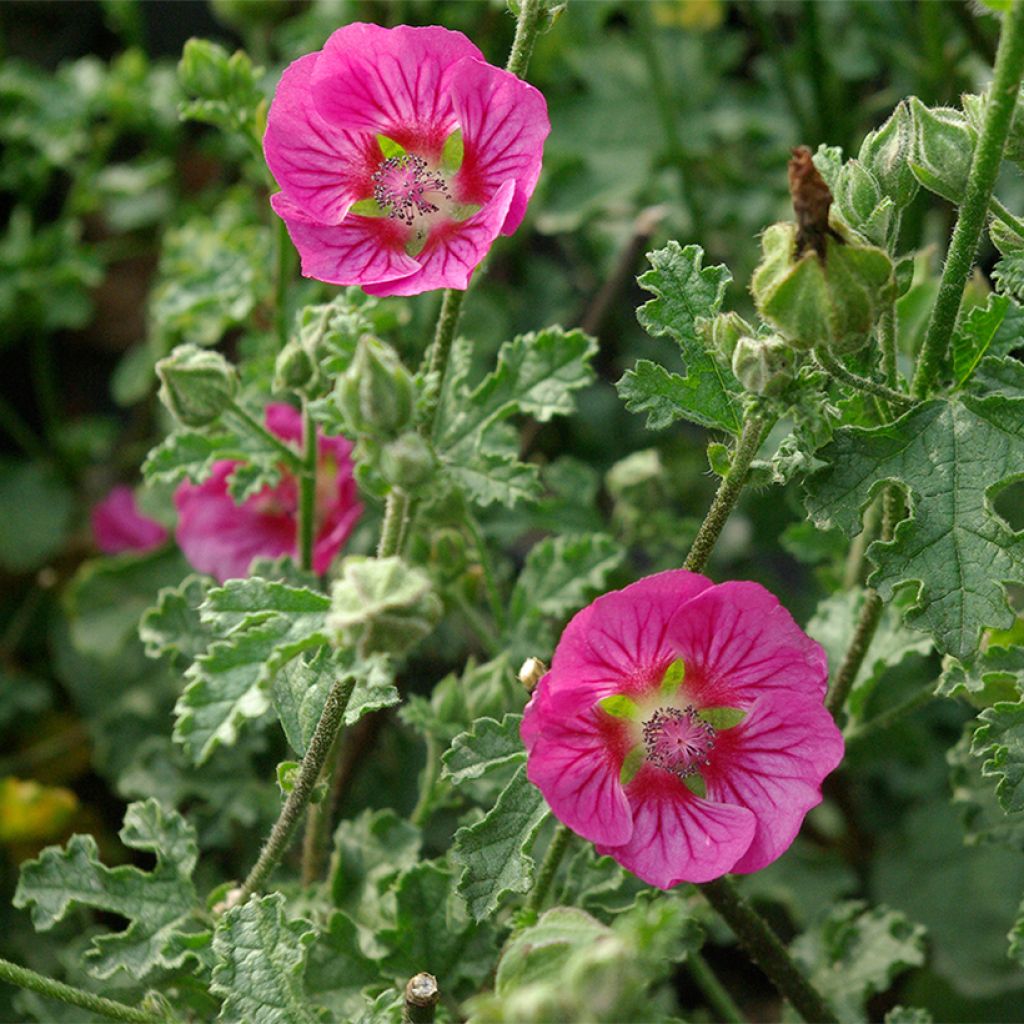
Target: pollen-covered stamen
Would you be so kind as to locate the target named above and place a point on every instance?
(403, 185)
(678, 740)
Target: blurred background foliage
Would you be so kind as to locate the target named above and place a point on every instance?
(135, 217)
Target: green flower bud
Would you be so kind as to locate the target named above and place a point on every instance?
(376, 394)
(860, 201)
(382, 605)
(764, 366)
(885, 153)
(974, 107)
(942, 144)
(407, 462)
(723, 331)
(832, 302)
(197, 385)
(294, 369)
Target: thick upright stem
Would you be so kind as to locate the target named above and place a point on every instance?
(717, 995)
(396, 512)
(300, 796)
(440, 350)
(549, 867)
(887, 342)
(988, 155)
(62, 993)
(728, 494)
(307, 490)
(531, 16)
(764, 947)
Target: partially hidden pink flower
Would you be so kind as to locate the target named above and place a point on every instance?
(222, 538)
(681, 728)
(401, 155)
(118, 525)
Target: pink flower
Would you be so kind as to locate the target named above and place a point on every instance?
(401, 155)
(118, 525)
(222, 538)
(669, 688)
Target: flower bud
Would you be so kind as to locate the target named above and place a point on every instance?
(197, 385)
(407, 462)
(885, 153)
(382, 605)
(723, 331)
(942, 144)
(376, 394)
(294, 368)
(831, 302)
(764, 366)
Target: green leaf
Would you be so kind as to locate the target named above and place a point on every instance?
(686, 292)
(225, 89)
(1000, 740)
(159, 904)
(36, 507)
(338, 971)
(489, 744)
(300, 690)
(489, 477)
(994, 668)
(1008, 274)
(261, 956)
(493, 852)
(953, 549)
(856, 953)
(999, 376)
(973, 335)
(369, 852)
(173, 626)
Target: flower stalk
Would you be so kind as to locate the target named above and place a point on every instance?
(50, 988)
(715, 992)
(307, 489)
(549, 868)
(288, 455)
(981, 179)
(888, 394)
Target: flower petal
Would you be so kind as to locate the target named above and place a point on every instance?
(620, 643)
(738, 642)
(504, 123)
(571, 762)
(453, 250)
(677, 836)
(359, 250)
(320, 168)
(391, 82)
(118, 525)
(773, 763)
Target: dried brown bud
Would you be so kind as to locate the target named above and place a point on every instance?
(811, 201)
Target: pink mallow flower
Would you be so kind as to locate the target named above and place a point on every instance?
(681, 728)
(222, 538)
(401, 155)
(118, 525)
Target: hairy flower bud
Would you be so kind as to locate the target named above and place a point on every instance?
(764, 366)
(885, 153)
(294, 369)
(723, 331)
(197, 385)
(376, 393)
(813, 301)
(407, 462)
(942, 144)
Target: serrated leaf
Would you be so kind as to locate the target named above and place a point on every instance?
(493, 852)
(172, 626)
(487, 745)
(1000, 740)
(187, 455)
(686, 291)
(974, 334)
(856, 952)
(261, 956)
(337, 969)
(1008, 274)
(159, 904)
(301, 687)
(369, 851)
(953, 549)
(487, 478)
(992, 667)
(999, 376)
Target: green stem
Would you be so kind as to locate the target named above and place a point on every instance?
(531, 16)
(863, 634)
(487, 567)
(727, 495)
(840, 372)
(307, 490)
(549, 868)
(764, 947)
(437, 359)
(981, 179)
(396, 512)
(298, 800)
(1000, 212)
(421, 999)
(282, 278)
(62, 993)
(887, 343)
(425, 803)
(715, 992)
(288, 455)
(886, 719)
(317, 833)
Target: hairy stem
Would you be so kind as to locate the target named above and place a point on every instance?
(871, 387)
(299, 798)
(717, 995)
(531, 16)
(282, 277)
(887, 342)
(727, 495)
(440, 350)
(549, 867)
(765, 949)
(63, 993)
(307, 490)
(396, 513)
(288, 455)
(431, 769)
(988, 155)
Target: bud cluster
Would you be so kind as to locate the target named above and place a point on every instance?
(196, 385)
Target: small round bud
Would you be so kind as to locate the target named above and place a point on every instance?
(197, 385)
(294, 368)
(764, 366)
(376, 393)
(723, 331)
(531, 673)
(884, 153)
(941, 147)
(813, 301)
(407, 462)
